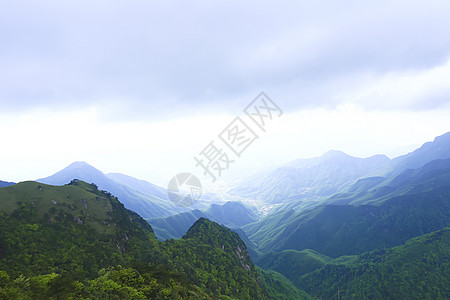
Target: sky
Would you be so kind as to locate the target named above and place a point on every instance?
(143, 87)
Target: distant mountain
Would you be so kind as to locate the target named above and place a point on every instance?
(5, 183)
(148, 200)
(174, 227)
(337, 178)
(311, 178)
(438, 149)
(142, 186)
(231, 214)
(373, 190)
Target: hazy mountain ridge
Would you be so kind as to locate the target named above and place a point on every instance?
(439, 148)
(319, 176)
(6, 183)
(306, 182)
(375, 190)
(142, 186)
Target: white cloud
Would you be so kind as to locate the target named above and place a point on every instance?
(76, 53)
(413, 89)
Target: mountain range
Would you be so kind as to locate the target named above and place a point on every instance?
(308, 181)
(399, 181)
(320, 176)
(148, 200)
(333, 226)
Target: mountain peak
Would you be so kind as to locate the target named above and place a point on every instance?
(211, 233)
(78, 165)
(208, 232)
(438, 149)
(443, 138)
(335, 154)
(76, 170)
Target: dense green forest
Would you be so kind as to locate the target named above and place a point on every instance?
(420, 269)
(77, 242)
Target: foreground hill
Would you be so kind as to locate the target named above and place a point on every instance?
(73, 228)
(75, 241)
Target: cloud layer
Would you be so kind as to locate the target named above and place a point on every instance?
(147, 59)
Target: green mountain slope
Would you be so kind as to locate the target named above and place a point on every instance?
(75, 241)
(419, 269)
(293, 263)
(336, 230)
(73, 228)
(279, 287)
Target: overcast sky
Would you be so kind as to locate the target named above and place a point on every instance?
(141, 87)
